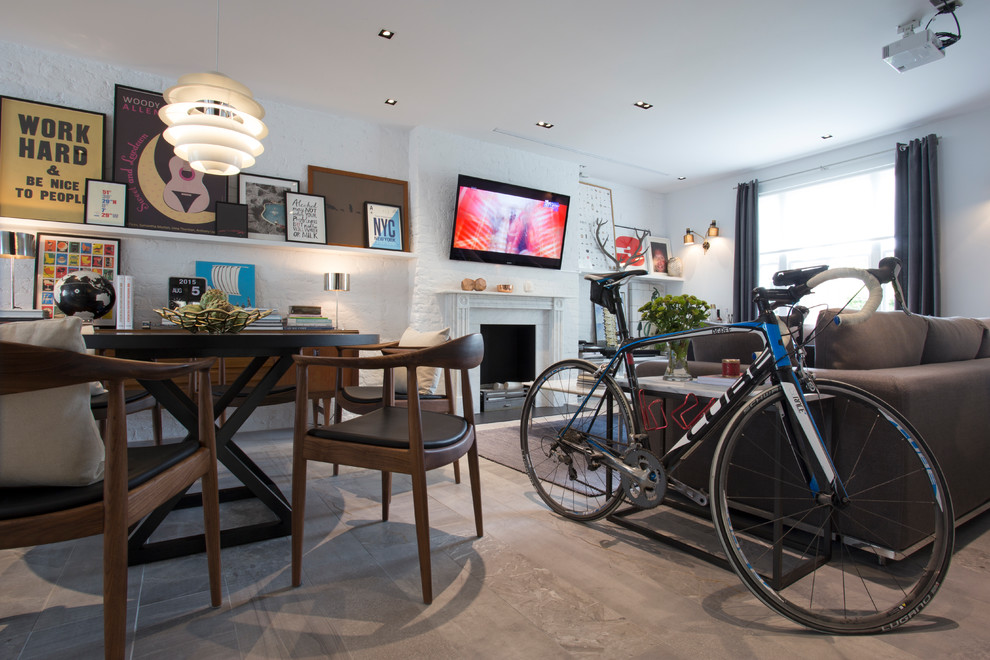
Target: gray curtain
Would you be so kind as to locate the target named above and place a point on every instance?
(747, 251)
(916, 223)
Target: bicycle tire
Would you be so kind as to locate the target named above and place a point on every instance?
(842, 577)
(565, 476)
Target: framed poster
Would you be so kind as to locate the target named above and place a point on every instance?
(658, 254)
(595, 224)
(346, 193)
(46, 154)
(384, 226)
(305, 219)
(232, 220)
(163, 191)
(264, 197)
(105, 203)
(632, 246)
(59, 255)
(236, 280)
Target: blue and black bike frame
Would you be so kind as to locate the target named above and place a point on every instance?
(774, 363)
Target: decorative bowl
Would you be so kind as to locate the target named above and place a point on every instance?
(213, 321)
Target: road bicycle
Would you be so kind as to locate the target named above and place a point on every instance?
(827, 502)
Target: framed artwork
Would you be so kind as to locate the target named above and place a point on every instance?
(106, 203)
(163, 191)
(58, 255)
(628, 243)
(47, 152)
(236, 280)
(305, 217)
(384, 226)
(264, 197)
(595, 222)
(658, 254)
(346, 194)
(232, 220)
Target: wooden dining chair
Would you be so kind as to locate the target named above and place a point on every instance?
(135, 480)
(359, 399)
(390, 438)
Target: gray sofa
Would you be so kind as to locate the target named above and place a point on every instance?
(936, 371)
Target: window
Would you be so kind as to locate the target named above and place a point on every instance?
(842, 222)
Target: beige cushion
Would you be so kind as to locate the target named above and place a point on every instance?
(427, 377)
(49, 438)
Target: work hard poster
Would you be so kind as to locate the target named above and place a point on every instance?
(46, 154)
(163, 191)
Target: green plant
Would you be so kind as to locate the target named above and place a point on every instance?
(674, 313)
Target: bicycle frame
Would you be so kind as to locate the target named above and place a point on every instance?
(773, 363)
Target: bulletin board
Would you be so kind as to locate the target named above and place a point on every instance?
(346, 194)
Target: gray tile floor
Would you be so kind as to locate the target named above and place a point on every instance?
(536, 586)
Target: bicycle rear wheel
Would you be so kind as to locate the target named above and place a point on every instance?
(565, 414)
(865, 566)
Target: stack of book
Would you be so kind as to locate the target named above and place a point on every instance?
(271, 322)
(309, 318)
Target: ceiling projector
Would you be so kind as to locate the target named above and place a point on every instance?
(913, 50)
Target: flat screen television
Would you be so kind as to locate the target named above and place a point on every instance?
(500, 223)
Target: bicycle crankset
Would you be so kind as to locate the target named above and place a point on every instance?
(648, 490)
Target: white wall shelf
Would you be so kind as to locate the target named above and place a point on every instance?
(651, 277)
(102, 231)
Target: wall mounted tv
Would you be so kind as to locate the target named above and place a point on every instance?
(500, 223)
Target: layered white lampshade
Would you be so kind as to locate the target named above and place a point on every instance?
(214, 123)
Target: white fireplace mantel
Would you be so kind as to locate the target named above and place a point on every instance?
(466, 311)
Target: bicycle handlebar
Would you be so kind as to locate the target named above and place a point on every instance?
(867, 278)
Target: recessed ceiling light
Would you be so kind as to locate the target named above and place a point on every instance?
(681, 178)
(390, 101)
(543, 124)
(643, 105)
(827, 136)
(386, 34)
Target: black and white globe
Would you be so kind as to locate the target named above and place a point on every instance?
(85, 294)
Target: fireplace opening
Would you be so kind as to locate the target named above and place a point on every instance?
(510, 361)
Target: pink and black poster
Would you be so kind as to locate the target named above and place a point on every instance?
(163, 191)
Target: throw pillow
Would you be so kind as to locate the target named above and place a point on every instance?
(49, 438)
(427, 377)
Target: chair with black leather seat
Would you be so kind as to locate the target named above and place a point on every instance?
(134, 480)
(390, 438)
(361, 399)
(135, 400)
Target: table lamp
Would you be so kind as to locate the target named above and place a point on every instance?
(336, 282)
(16, 245)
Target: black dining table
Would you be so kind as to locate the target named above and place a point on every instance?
(260, 346)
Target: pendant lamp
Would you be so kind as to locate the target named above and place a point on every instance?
(214, 123)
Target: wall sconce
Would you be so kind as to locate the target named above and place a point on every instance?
(336, 282)
(16, 245)
(705, 243)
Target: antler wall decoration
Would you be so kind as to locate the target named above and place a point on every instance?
(629, 257)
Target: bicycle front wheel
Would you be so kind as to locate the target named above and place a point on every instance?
(567, 422)
(865, 565)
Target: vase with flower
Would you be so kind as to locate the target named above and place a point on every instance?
(664, 314)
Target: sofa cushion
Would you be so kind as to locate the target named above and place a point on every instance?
(985, 343)
(952, 339)
(738, 345)
(49, 438)
(885, 340)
